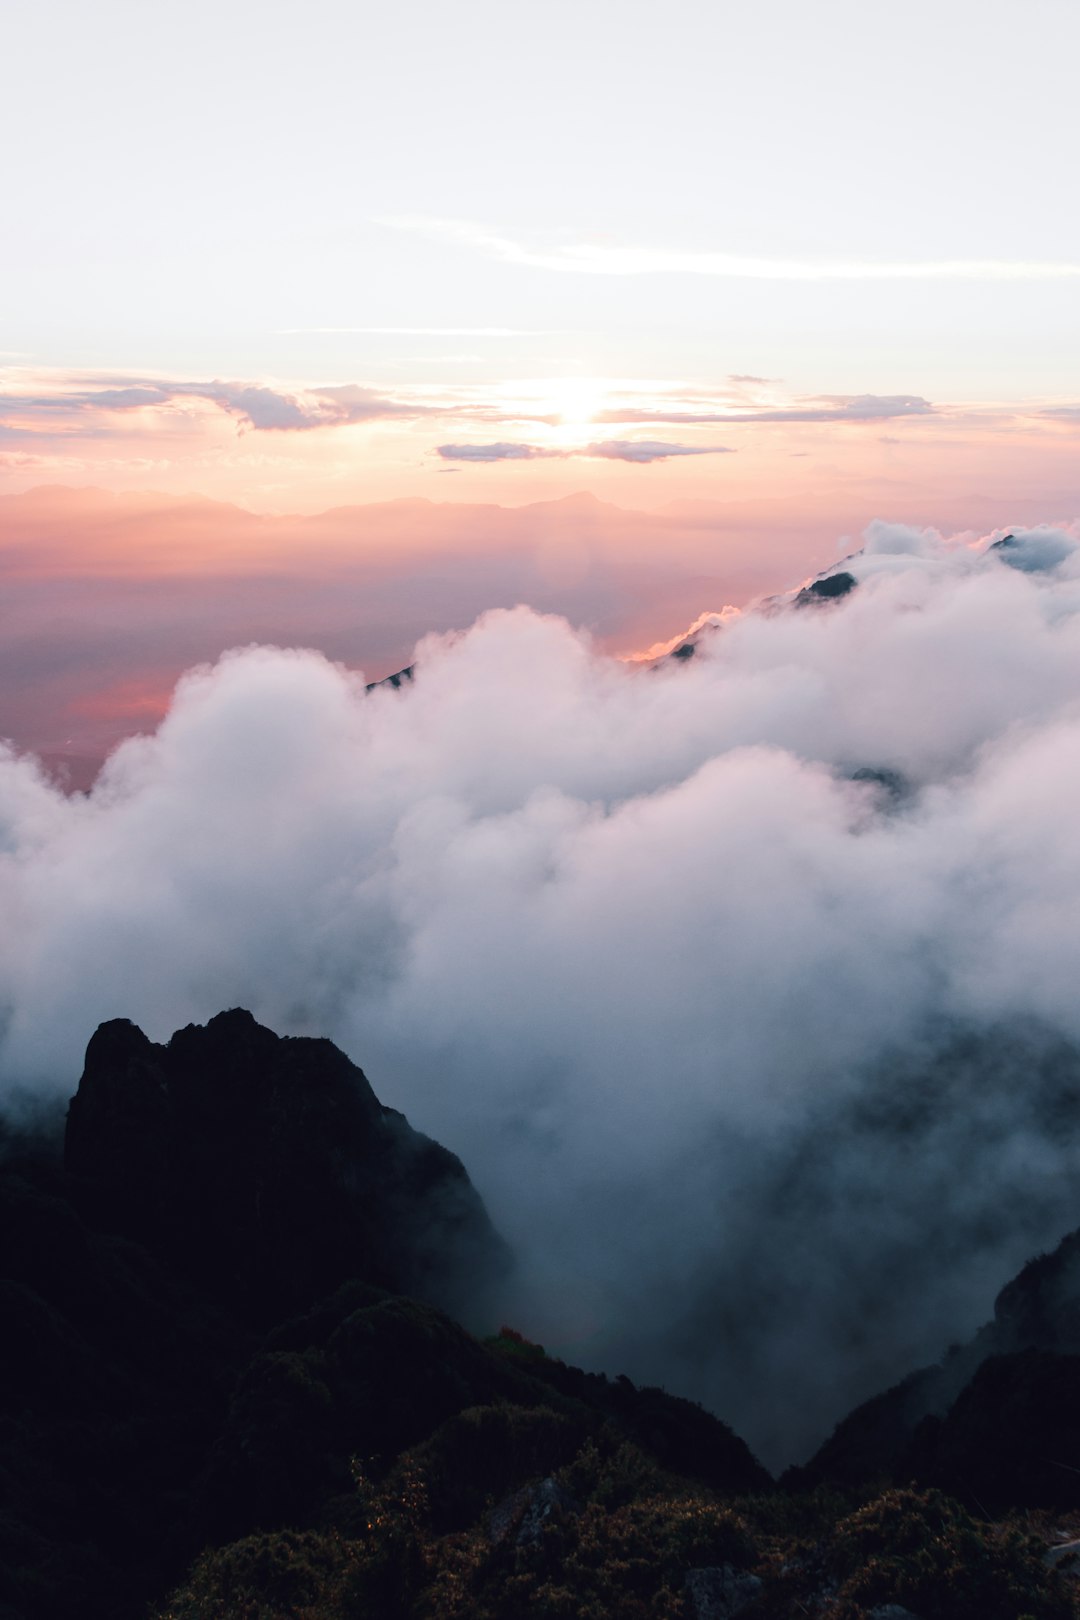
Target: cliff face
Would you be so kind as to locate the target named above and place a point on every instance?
(998, 1418)
(206, 1336)
(266, 1167)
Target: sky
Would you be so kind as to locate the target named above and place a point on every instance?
(301, 256)
(750, 277)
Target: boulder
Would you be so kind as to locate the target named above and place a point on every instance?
(720, 1592)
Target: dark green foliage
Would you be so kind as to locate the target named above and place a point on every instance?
(276, 1455)
(371, 1381)
(509, 1342)
(403, 1367)
(609, 1559)
(314, 1326)
(922, 1551)
(611, 1472)
(287, 1576)
(597, 1561)
(630, 1562)
(679, 1433)
(486, 1452)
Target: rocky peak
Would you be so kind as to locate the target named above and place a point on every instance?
(267, 1165)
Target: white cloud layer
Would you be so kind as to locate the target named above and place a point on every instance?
(634, 942)
(602, 259)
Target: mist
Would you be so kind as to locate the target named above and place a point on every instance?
(745, 983)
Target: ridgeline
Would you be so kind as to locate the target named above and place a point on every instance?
(236, 1387)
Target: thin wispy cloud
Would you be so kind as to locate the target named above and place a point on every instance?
(643, 451)
(606, 259)
(62, 409)
(254, 405)
(423, 331)
(636, 451)
(826, 408)
(497, 452)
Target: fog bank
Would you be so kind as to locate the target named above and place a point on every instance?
(744, 984)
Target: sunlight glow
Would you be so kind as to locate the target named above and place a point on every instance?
(578, 399)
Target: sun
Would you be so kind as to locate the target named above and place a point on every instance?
(576, 400)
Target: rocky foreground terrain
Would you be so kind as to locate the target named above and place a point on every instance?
(235, 1387)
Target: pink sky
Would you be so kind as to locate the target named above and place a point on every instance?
(355, 517)
(747, 314)
(274, 446)
(110, 595)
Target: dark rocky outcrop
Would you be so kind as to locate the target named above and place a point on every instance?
(997, 1421)
(891, 786)
(205, 1191)
(206, 1339)
(720, 1592)
(267, 1167)
(830, 588)
(1039, 551)
(206, 1346)
(400, 678)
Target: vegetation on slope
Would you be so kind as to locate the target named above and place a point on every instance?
(261, 1422)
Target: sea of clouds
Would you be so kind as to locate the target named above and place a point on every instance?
(766, 1070)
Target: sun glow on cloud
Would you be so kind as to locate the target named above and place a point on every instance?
(305, 443)
(579, 399)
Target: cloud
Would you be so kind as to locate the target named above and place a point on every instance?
(648, 450)
(866, 407)
(495, 452)
(260, 407)
(825, 408)
(86, 406)
(350, 403)
(257, 405)
(588, 258)
(641, 451)
(426, 331)
(1035, 551)
(769, 1072)
(204, 576)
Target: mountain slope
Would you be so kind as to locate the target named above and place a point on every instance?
(205, 1334)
